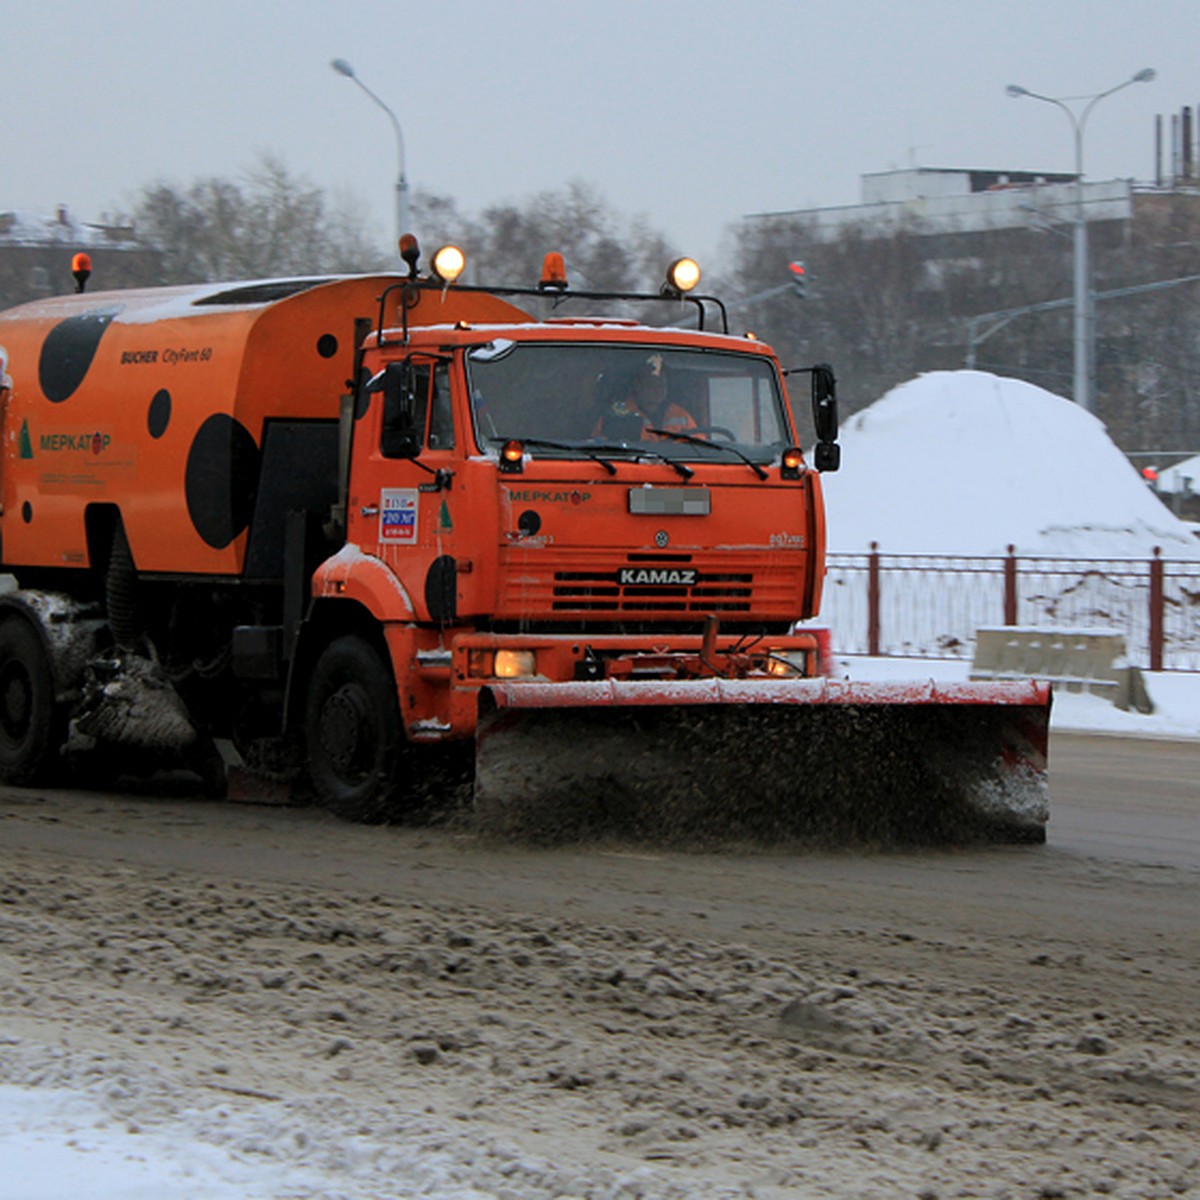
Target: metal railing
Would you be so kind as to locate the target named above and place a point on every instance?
(930, 605)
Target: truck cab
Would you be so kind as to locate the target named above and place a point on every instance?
(540, 502)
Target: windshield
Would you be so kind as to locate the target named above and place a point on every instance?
(571, 400)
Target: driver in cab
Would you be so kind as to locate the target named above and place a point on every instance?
(644, 406)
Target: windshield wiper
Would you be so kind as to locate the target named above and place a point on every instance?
(590, 451)
(693, 440)
(680, 469)
(545, 444)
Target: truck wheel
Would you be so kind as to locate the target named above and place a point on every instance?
(352, 732)
(29, 724)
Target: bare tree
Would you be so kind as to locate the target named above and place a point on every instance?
(507, 241)
(268, 223)
(862, 308)
(885, 305)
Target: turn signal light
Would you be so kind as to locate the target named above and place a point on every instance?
(792, 463)
(512, 457)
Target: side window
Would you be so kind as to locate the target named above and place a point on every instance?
(416, 412)
(441, 416)
(405, 408)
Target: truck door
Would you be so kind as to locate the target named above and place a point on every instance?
(400, 506)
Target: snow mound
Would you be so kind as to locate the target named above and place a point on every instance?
(965, 462)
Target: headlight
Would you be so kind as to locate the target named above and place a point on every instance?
(786, 664)
(514, 664)
(502, 664)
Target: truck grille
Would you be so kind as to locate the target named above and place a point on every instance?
(624, 586)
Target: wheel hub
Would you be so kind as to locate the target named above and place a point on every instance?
(17, 701)
(345, 730)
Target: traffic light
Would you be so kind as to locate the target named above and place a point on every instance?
(799, 278)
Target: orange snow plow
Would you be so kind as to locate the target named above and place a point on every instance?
(766, 761)
(327, 524)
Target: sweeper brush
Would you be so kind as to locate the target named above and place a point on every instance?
(764, 762)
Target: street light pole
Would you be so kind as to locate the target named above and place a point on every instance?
(1084, 327)
(342, 67)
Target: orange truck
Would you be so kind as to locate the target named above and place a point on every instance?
(338, 528)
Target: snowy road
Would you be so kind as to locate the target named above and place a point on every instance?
(303, 1008)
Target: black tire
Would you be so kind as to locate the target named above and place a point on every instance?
(31, 733)
(352, 734)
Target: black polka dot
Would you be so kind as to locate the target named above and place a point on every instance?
(68, 351)
(221, 479)
(159, 415)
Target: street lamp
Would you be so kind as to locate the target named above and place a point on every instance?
(1082, 291)
(342, 67)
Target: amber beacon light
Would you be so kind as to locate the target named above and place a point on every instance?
(81, 268)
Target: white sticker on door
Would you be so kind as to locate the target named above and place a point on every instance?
(398, 516)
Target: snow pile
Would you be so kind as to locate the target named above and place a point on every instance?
(964, 462)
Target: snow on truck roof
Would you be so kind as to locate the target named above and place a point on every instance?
(143, 305)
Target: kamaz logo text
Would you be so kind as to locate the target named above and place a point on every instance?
(657, 576)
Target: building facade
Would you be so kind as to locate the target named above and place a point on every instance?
(36, 253)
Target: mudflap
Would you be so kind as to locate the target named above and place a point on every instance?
(765, 762)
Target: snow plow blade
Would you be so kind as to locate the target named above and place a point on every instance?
(765, 761)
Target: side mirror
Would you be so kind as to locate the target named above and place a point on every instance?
(401, 435)
(828, 454)
(824, 403)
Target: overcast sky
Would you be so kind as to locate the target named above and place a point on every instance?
(689, 112)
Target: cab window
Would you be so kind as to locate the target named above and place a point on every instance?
(432, 425)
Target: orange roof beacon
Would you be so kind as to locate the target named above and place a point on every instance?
(375, 528)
